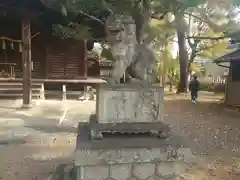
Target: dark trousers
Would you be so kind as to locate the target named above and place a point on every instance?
(194, 95)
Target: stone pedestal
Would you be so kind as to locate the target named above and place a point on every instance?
(126, 103)
(128, 108)
(128, 158)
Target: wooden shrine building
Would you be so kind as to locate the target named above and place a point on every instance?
(231, 61)
(30, 52)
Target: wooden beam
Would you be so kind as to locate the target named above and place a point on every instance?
(85, 59)
(26, 60)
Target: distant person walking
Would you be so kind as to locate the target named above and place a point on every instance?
(194, 87)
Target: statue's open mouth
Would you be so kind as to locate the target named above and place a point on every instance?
(114, 30)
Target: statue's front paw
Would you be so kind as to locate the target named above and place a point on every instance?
(113, 81)
(110, 81)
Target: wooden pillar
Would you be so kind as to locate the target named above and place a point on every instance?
(42, 92)
(85, 59)
(26, 60)
(64, 92)
(46, 62)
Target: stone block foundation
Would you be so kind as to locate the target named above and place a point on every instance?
(126, 158)
(136, 171)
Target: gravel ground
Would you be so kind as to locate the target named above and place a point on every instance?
(33, 143)
(212, 133)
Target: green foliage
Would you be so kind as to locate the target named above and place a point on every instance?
(224, 3)
(90, 10)
(174, 5)
(162, 31)
(206, 86)
(123, 6)
(212, 87)
(168, 67)
(95, 53)
(88, 7)
(211, 49)
(127, 7)
(197, 68)
(73, 30)
(106, 53)
(173, 71)
(207, 48)
(138, 9)
(141, 10)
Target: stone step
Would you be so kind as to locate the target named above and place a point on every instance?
(14, 90)
(17, 85)
(17, 90)
(17, 96)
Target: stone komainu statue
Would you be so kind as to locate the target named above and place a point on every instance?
(137, 60)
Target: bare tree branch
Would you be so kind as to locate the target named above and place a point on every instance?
(205, 15)
(206, 47)
(197, 17)
(208, 37)
(91, 17)
(172, 40)
(196, 52)
(158, 16)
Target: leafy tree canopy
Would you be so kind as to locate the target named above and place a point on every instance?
(141, 10)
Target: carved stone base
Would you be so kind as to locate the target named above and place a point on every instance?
(127, 158)
(161, 134)
(96, 135)
(157, 129)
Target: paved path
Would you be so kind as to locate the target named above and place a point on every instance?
(33, 143)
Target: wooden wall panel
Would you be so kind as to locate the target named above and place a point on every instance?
(65, 61)
(38, 58)
(233, 89)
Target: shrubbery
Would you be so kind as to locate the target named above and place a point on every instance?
(206, 86)
(219, 88)
(212, 87)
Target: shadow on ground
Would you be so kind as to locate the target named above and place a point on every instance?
(18, 141)
(49, 117)
(38, 143)
(212, 106)
(23, 161)
(53, 129)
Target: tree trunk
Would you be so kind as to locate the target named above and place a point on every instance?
(183, 54)
(183, 61)
(190, 61)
